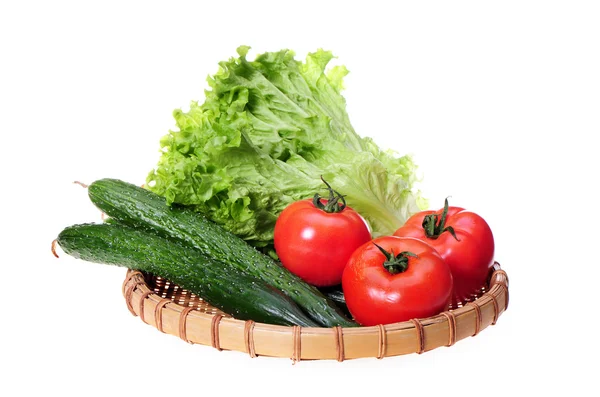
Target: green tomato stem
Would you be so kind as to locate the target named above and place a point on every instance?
(395, 264)
(434, 224)
(333, 205)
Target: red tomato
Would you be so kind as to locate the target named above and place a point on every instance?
(314, 238)
(463, 239)
(393, 279)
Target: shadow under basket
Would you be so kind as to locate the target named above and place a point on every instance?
(178, 312)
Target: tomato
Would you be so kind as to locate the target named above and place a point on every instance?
(392, 279)
(314, 238)
(463, 239)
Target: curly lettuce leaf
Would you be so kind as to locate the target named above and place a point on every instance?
(267, 131)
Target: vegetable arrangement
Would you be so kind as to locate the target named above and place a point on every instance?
(233, 211)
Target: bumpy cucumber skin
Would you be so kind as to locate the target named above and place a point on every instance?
(138, 207)
(235, 293)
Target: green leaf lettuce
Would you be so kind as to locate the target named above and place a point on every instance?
(265, 134)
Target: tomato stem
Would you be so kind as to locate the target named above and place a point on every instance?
(434, 224)
(395, 263)
(333, 205)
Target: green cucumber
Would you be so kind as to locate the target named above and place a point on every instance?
(336, 294)
(139, 207)
(235, 293)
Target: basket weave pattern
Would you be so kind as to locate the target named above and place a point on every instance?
(178, 312)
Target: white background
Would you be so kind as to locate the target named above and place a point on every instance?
(497, 101)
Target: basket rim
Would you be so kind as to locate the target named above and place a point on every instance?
(227, 333)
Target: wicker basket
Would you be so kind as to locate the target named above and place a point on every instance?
(175, 311)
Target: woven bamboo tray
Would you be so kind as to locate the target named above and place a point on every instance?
(175, 311)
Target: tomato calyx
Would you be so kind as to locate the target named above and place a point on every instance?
(395, 264)
(434, 224)
(333, 205)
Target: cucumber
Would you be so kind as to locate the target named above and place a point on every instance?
(336, 295)
(139, 207)
(235, 293)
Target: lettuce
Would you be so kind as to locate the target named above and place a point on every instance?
(265, 134)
